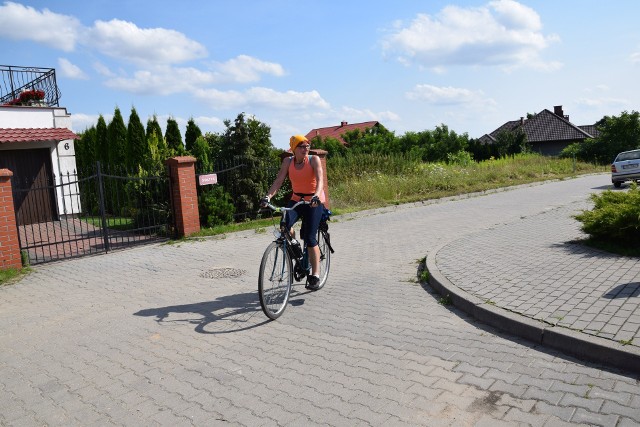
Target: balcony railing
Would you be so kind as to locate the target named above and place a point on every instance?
(25, 85)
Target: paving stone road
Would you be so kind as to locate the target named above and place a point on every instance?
(173, 334)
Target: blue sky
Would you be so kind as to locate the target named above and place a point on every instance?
(303, 64)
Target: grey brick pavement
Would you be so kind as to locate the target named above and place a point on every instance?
(535, 267)
(155, 336)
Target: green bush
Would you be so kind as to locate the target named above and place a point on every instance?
(215, 206)
(461, 158)
(615, 216)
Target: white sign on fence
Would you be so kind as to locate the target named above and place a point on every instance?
(212, 178)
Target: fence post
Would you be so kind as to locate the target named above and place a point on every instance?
(184, 197)
(322, 154)
(9, 243)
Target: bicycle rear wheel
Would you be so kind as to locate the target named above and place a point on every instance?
(325, 259)
(274, 280)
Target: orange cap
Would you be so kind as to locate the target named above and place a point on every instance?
(297, 140)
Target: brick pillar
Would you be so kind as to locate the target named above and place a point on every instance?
(322, 154)
(184, 197)
(9, 243)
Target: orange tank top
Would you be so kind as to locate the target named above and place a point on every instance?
(303, 180)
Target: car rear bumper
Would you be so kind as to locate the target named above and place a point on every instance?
(622, 177)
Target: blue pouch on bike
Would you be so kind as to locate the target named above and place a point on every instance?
(325, 215)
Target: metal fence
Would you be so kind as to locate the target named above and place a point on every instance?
(16, 80)
(83, 213)
(241, 182)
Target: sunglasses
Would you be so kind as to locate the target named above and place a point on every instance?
(304, 146)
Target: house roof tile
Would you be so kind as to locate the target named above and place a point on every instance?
(337, 131)
(35, 134)
(547, 126)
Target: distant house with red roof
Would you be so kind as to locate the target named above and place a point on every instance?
(337, 131)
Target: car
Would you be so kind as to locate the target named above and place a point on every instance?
(625, 167)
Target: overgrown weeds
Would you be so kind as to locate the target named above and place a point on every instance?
(373, 180)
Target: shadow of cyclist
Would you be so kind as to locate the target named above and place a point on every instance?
(230, 313)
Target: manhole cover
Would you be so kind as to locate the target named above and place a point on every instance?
(217, 273)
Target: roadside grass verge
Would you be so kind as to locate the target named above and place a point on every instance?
(366, 182)
(371, 181)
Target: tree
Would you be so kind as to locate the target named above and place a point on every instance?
(332, 146)
(248, 141)
(215, 142)
(173, 137)
(158, 145)
(117, 136)
(136, 141)
(154, 163)
(616, 134)
(102, 141)
(200, 150)
(510, 142)
(85, 149)
(374, 139)
(154, 126)
(193, 132)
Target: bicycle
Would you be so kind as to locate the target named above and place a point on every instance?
(285, 260)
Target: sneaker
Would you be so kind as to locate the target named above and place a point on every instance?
(313, 283)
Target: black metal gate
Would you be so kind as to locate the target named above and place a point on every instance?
(95, 212)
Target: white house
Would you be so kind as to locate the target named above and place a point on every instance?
(37, 145)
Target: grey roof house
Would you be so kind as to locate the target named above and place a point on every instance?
(547, 132)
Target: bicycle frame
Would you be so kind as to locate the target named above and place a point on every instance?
(285, 234)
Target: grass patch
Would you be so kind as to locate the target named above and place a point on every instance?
(256, 224)
(445, 300)
(12, 275)
(114, 223)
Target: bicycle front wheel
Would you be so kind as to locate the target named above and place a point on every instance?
(274, 280)
(325, 259)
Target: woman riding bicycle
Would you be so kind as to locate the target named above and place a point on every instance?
(305, 173)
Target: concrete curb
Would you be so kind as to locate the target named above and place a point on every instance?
(572, 343)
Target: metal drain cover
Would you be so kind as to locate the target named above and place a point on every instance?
(218, 273)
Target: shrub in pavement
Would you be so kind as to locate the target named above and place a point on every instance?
(615, 217)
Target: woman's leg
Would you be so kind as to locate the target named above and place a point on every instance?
(314, 259)
(312, 222)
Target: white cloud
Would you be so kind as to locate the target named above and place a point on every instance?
(102, 69)
(635, 57)
(126, 41)
(209, 123)
(246, 69)
(609, 103)
(20, 22)
(503, 32)
(444, 95)
(357, 115)
(163, 81)
(167, 80)
(67, 69)
(262, 97)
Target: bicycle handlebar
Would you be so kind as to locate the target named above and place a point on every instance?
(278, 209)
